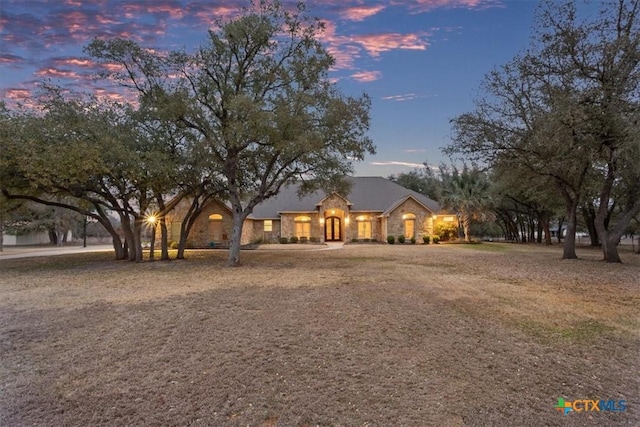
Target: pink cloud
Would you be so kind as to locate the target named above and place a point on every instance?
(7, 58)
(366, 76)
(359, 13)
(17, 94)
(375, 44)
(56, 73)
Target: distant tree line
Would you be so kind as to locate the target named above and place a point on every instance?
(557, 131)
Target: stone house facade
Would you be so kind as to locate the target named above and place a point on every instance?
(374, 208)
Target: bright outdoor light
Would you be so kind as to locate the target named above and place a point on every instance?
(151, 219)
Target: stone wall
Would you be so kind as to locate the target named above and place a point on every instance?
(423, 219)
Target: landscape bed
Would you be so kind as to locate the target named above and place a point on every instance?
(364, 335)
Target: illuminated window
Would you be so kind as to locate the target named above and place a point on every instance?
(268, 225)
(448, 219)
(409, 225)
(364, 226)
(215, 227)
(302, 226)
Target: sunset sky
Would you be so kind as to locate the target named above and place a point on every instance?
(421, 61)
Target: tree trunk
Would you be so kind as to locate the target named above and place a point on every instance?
(132, 235)
(1, 233)
(152, 245)
(546, 226)
(236, 235)
(466, 225)
(560, 224)
(164, 235)
(118, 247)
(569, 246)
(164, 239)
(589, 215)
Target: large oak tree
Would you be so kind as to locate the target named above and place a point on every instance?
(258, 95)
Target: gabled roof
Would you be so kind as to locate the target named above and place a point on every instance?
(372, 193)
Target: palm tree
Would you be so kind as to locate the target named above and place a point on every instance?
(466, 192)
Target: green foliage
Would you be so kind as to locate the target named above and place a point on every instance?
(261, 103)
(426, 239)
(435, 239)
(303, 239)
(174, 245)
(401, 238)
(293, 239)
(563, 115)
(283, 240)
(354, 240)
(391, 239)
(314, 239)
(413, 240)
(445, 231)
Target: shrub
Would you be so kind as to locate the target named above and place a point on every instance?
(354, 240)
(303, 239)
(401, 238)
(374, 240)
(426, 239)
(293, 239)
(413, 240)
(391, 240)
(174, 245)
(314, 239)
(366, 240)
(435, 240)
(445, 231)
(283, 240)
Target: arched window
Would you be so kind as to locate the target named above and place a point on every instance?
(409, 225)
(364, 226)
(215, 227)
(302, 226)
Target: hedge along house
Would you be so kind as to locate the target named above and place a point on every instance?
(374, 208)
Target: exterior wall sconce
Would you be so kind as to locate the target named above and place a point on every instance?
(321, 220)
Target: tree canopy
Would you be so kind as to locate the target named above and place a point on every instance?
(567, 111)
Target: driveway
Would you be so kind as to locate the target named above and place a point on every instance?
(13, 252)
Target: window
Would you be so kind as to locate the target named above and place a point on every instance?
(268, 225)
(215, 228)
(409, 225)
(302, 226)
(364, 226)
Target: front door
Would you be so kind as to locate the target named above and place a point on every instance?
(332, 229)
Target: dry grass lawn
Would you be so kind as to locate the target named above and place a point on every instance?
(369, 335)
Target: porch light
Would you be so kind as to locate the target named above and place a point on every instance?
(346, 220)
(333, 211)
(321, 220)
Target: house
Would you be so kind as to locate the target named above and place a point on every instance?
(374, 208)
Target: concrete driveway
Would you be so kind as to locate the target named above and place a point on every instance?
(13, 252)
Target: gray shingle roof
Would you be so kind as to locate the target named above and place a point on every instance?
(371, 193)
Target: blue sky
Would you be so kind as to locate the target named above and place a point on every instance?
(420, 61)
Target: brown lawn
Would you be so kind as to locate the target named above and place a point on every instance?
(369, 335)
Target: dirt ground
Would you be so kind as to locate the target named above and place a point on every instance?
(368, 335)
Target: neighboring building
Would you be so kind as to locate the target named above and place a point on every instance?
(374, 208)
